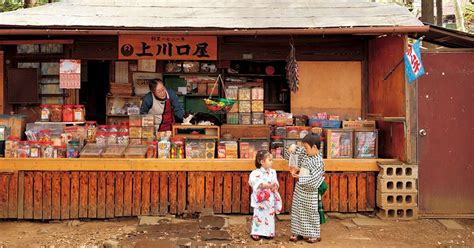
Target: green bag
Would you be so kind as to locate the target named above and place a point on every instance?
(322, 188)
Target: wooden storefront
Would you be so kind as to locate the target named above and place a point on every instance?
(345, 69)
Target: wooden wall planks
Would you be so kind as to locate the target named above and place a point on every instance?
(89, 194)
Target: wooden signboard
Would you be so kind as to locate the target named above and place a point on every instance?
(69, 74)
(167, 47)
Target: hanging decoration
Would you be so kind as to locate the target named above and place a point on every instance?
(292, 69)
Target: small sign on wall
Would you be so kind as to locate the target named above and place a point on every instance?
(70, 74)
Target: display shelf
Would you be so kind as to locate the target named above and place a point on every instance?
(116, 115)
(134, 164)
(65, 123)
(196, 131)
(191, 74)
(121, 96)
(252, 75)
(196, 95)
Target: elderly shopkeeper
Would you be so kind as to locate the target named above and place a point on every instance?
(163, 104)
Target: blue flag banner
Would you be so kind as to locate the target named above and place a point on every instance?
(413, 66)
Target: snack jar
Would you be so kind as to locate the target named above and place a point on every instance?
(177, 147)
(123, 129)
(68, 113)
(111, 137)
(56, 113)
(12, 145)
(280, 131)
(122, 138)
(73, 149)
(79, 114)
(102, 128)
(91, 131)
(101, 138)
(24, 149)
(151, 149)
(276, 147)
(35, 149)
(292, 133)
(47, 149)
(164, 148)
(59, 151)
(45, 113)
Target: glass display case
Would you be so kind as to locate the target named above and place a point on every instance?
(92, 151)
(339, 143)
(365, 143)
(135, 151)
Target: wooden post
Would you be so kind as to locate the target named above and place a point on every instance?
(439, 13)
(427, 10)
(2, 83)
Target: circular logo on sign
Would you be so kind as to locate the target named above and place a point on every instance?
(127, 50)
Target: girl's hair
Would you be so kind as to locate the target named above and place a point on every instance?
(261, 155)
(312, 139)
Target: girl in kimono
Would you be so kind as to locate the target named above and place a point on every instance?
(305, 220)
(265, 199)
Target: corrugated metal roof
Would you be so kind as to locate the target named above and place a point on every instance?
(228, 14)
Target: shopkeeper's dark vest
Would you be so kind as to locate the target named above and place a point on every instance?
(164, 114)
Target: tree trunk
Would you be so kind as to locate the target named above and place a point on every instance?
(427, 9)
(439, 13)
(30, 3)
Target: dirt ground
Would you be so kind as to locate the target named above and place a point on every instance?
(172, 232)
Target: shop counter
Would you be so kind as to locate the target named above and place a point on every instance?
(133, 164)
(46, 189)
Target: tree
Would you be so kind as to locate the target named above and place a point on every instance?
(10, 5)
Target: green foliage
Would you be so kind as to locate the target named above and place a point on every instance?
(469, 17)
(11, 5)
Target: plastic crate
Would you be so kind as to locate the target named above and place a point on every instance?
(326, 123)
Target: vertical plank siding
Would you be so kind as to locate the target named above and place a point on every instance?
(71, 195)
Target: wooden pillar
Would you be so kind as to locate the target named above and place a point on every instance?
(2, 83)
(427, 11)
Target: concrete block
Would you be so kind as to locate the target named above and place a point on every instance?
(368, 222)
(397, 185)
(451, 225)
(385, 200)
(398, 170)
(398, 213)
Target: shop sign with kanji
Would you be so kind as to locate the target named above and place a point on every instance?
(167, 47)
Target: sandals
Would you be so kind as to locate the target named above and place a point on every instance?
(295, 238)
(255, 237)
(313, 240)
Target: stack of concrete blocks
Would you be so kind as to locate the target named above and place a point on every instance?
(397, 191)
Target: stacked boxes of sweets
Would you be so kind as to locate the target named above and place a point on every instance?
(278, 120)
(249, 147)
(227, 149)
(200, 148)
(257, 103)
(245, 106)
(249, 105)
(232, 93)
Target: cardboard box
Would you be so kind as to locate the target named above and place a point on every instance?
(358, 124)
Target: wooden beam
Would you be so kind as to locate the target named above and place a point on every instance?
(124, 164)
(24, 42)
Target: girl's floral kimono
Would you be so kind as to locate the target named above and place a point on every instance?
(265, 203)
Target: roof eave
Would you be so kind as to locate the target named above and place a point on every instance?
(220, 32)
